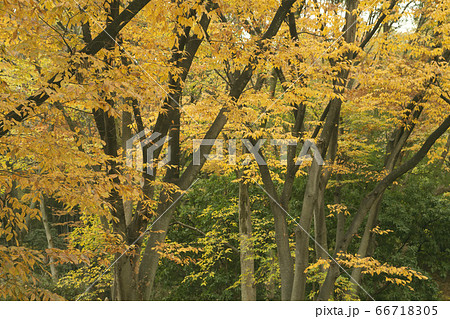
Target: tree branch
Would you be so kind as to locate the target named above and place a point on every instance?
(100, 41)
(204, 234)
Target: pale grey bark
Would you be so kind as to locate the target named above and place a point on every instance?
(48, 235)
(248, 287)
(126, 135)
(285, 259)
(320, 227)
(309, 203)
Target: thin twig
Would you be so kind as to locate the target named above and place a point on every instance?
(204, 234)
(59, 33)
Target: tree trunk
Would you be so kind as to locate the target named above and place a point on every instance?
(309, 203)
(125, 277)
(371, 198)
(320, 227)
(302, 233)
(248, 287)
(366, 239)
(127, 121)
(285, 260)
(49, 236)
(340, 218)
(150, 258)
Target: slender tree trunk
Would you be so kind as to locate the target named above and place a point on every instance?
(309, 203)
(273, 83)
(340, 218)
(150, 258)
(320, 227)
(285, 260)
(248, 287)
(49, 236)
(127, 121)
(366, 239)
(302, 231)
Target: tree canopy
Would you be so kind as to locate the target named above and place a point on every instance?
(154, 150)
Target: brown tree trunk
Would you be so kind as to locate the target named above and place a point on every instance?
(285, 260)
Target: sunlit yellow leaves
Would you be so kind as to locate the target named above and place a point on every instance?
(398, 275)
(17, 279)
(379, 231)
(177, 252)
(338, 209)
(64, 256)
(77, 281)
(321, 263)
(58, 151)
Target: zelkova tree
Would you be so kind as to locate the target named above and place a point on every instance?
(293, 284)
(312, 192)
(417, 103)
(134, 278)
